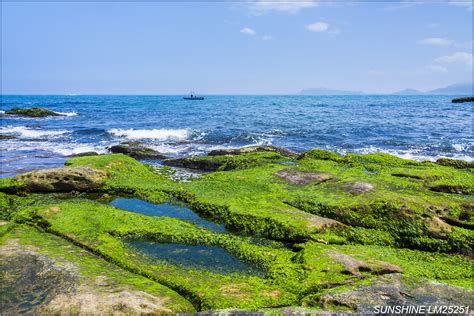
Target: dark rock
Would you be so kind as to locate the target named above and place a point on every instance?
(459, 164)
(81, 179)
(448, 188)
(32, 112)
(35, 126)
(192, 163)
(87, 153)
(136, 150)
(357, 188)
(396, 289)
(252, 149)
(462, 100)
(300, 177)
(3, 136)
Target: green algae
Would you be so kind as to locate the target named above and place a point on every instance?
(401, 211)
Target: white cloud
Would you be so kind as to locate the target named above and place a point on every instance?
(290, 6)
(248, 31)
(318, 27)
(437, 68)
(251, 32)
(458, 57)
(468, 4)
(437, 41)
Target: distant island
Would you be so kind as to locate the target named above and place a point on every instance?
(454, 89)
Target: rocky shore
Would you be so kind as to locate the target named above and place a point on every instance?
(330, 233)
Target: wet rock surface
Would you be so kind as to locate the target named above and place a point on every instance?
(190, 163)
(136, 150)
(299, 177)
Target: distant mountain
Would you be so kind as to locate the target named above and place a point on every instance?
(326, 91)
(459, 88)
(408, 92)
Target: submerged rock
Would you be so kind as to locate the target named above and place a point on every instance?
(462, 100)
(32, 112)
(299, 177)
(252, 149)
(136, 150)
(357, 187)
(60, 180)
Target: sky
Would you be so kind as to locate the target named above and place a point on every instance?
(246, 47)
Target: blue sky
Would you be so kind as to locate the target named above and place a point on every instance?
(248, 47)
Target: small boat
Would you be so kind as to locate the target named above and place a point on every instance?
(192, 96)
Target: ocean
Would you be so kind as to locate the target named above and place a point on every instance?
(417, 127)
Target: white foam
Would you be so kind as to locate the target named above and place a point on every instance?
(158, 134)
(74, 149)
(25, 132)
(67, 113)
(2, 112)
(414, 154)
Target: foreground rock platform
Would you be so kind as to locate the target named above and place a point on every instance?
(332, 233)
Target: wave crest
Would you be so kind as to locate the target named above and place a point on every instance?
(158, 134)
(26, 132)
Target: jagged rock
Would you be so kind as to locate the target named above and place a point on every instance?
(462, 100)
(252, 149)
(136, 150)
(191, 163)
(459, 164)
(300, 177)
(32, 112)
(60, 180)
(357, 187)
(395, 289)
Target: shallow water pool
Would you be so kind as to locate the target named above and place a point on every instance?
(211, 258)
(166, 209)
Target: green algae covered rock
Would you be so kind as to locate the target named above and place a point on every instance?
(32, 112)
(330, 232)
(459, 164)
